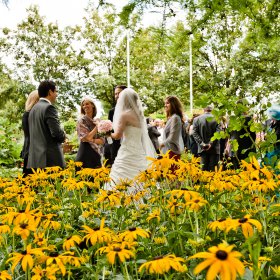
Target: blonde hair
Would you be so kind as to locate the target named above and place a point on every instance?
(32, 99)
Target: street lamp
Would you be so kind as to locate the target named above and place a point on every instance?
(191, 74)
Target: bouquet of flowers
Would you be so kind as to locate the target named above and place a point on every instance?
(104, 128)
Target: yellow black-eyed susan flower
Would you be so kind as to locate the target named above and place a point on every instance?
(113, 198)
(44, 273)
(221, 261)
(246, 225)
(261, 261)
(98, 235)
(59, 260)
(117, 251)
(23, 229)
(132, 233)
(4, 275)
(221, 224)
(4, 228)
(25, 257)
(196, 203)
(71, 242)
(39, 239)
(163, 264)
(154, 215)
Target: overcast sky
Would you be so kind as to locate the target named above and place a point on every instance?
(65, 12)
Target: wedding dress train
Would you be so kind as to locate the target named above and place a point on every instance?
(131, 158)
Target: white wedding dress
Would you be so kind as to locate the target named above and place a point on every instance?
(131, 158)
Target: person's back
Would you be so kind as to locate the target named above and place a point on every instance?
(207, 126)
(204, 128)
(46, 134)
(129, 124)
(153, 134)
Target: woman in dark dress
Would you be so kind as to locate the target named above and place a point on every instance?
(32, 99)
(89, 152)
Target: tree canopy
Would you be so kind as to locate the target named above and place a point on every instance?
(234, 51)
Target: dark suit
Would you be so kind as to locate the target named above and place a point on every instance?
(154, 134)
(204, 127)
(114, 147)
(46, 137)
(25, 148)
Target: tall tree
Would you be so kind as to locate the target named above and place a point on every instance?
(102, 36)
(43, 51)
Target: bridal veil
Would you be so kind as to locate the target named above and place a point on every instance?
(130, 101)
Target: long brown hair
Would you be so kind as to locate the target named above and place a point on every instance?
(176, 107)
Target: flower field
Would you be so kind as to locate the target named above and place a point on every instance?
(62, 224)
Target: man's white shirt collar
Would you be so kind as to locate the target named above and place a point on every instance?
(42, 98)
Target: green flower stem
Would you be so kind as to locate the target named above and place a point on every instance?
(126, 272)
(196, 225)
(27, 273)
(180, 237)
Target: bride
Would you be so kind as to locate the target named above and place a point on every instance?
(130, 125)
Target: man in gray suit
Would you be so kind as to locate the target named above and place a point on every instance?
(204, 127)
(46, 135)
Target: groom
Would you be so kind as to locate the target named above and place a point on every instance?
(114, 147)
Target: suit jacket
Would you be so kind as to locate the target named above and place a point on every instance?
(154, 134)
(46, 137)
(204, 127)
(114, 147)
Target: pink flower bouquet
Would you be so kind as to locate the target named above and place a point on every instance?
(104, 128)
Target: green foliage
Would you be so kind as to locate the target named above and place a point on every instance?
(43, 51)
(9, 143)
(70, 126)
(234, 54)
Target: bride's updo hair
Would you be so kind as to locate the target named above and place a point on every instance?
(131, 101)
(130, 98)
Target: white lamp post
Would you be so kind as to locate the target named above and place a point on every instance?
(191, 74)
(127, 58)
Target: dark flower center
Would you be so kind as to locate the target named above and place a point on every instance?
(96, 228)
(243, 220)
(53, 254)
(40, 239)
(117, 249)
(221, 255)
(221, 220)
(196, 201)
(23, 226)
(157, 258)
(1, 224)
(132, 229)
(21, 211)
(184, 189)
(20, 192)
